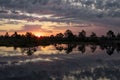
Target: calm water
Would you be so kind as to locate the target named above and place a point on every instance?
(61, 62)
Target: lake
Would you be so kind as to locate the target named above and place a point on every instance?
(78, 61)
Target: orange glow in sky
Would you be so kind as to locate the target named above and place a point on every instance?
(47, 28)
(38, 34)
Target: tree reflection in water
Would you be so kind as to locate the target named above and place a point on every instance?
(29, 51)
(69, 48)
(109, 48)
(82, 48)
(93, 47)
(72, 69)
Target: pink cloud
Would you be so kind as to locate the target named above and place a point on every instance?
(33, 28)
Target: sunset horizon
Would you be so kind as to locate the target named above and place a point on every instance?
(59, 39)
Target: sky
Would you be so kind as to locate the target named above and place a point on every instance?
(45, 19)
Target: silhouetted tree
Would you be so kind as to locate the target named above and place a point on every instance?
(68, 34)
(29, 35)
(6, 34)
(118, 35)
(93, 35)
(110, 34)
(52, 36)
(30, 39)
(82, 35)
(15, 34)
(59, 35)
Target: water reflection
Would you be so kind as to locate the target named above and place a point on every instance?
(99, 73)
(83, 48)
(93, 47)
(64, 65)
(110, 50)
(29, 51)
(62, 72)
(72, 48)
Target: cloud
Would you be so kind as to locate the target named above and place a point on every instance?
(2, 30)
(34, 28)
(31, 27)
(12, 22)
(1, 24)
(32, 10)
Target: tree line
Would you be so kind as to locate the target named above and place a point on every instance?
(29, 39)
